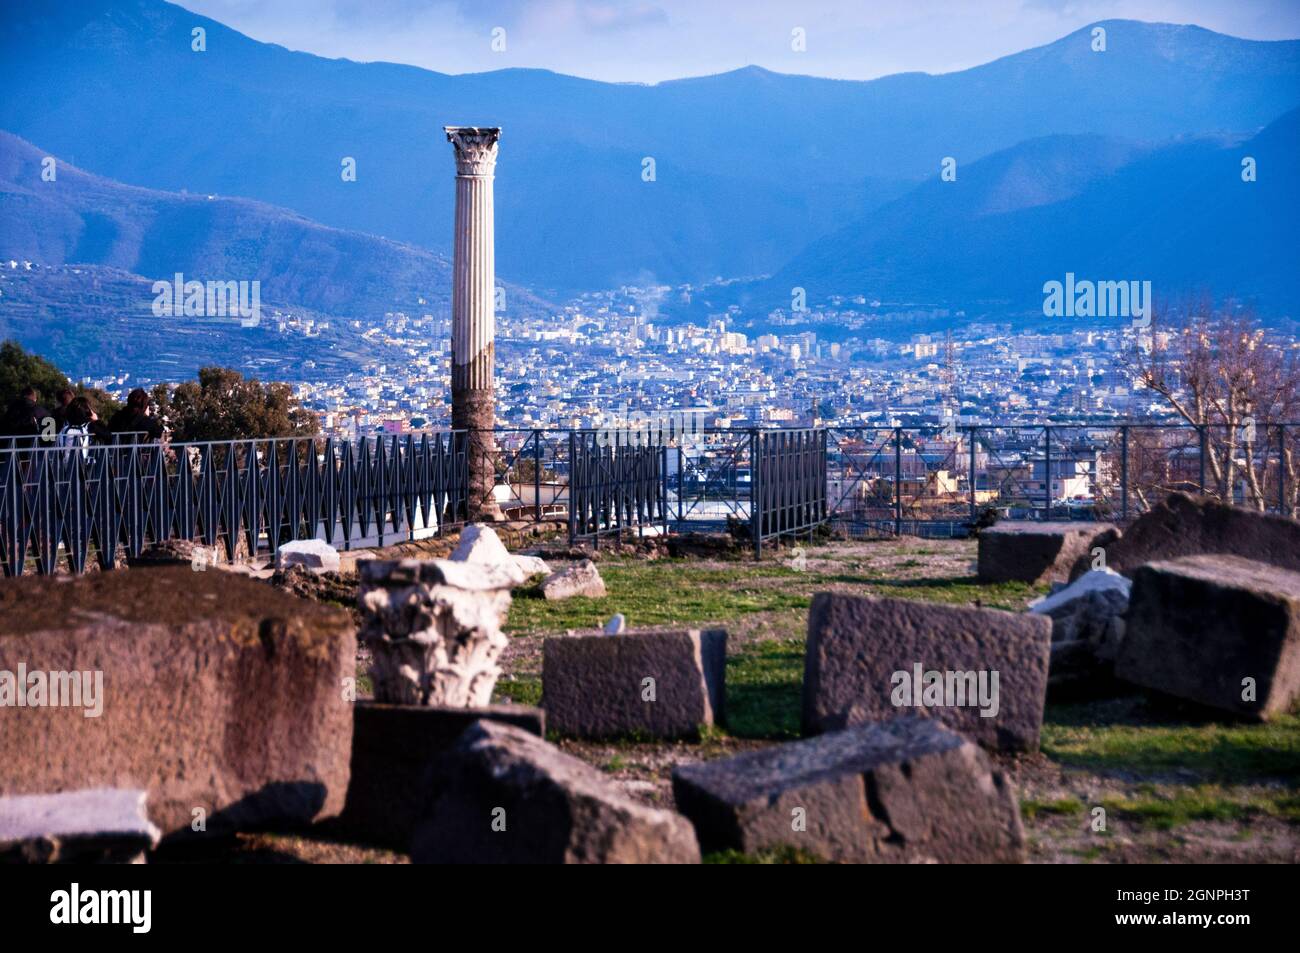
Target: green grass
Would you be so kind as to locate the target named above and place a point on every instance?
(662, 592)
(764, 685)
(1164, 811)
(1065, 807)
(1212, 751)
(776, 855)
(522, 690)
(681, 591)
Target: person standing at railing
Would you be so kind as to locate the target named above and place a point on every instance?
(83, 427)
(26, 417)
(135, 418)
(60, 412)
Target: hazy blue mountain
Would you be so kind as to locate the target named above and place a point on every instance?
(86, 219)
(751, 166)
(121, 238)
(1179, 216)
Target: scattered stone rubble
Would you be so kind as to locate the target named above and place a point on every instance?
(580, 579)
(1087, 627)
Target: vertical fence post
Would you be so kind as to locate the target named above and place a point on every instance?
(537, 476)
(681, 465)
(1047, 470)
(573, 496)
(898, 482)
(755, 494)
(971, 474)
(1123, 471)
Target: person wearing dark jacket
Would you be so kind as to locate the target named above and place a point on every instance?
(25, 417)
(135, 417)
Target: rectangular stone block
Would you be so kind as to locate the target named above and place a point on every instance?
(903, 791)
(643, 684)
(99, 826)
(1201, 626)
(393, 747)
(1038, 552)
(871, 659)
(504, 796)
(215, 693)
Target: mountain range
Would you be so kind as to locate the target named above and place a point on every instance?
(750, 167)
(833, 182)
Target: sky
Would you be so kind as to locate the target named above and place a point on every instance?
(649, 41)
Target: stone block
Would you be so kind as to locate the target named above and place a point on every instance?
(903, 791)
(1199, 626)
(640, 684)
(504, 796)
(871, 659)
(393, 748)
(97, 826)
(211, 691)
(1038, 552)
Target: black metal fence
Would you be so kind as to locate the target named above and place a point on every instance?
(76, 506)
(246, 494)
(921, 479)
(617, 483)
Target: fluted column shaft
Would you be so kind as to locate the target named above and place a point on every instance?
(473, 308)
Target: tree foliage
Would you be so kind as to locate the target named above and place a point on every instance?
(19, 368)
(224, 405)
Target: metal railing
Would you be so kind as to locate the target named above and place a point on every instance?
(81, 505)
(87, 503)
(897, 479)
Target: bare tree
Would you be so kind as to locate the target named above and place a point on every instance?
(1218, 370)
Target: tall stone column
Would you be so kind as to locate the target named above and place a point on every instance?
(473, 317)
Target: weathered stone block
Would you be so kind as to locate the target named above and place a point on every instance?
(214, 693)
(1037, 552)
(1186, 525)
(314, 554)
(906, 790)
(1200, 625)
(99, 826)
(502, 795)
(647, 684)
(393, 747)
(580, 579)
(865, 654)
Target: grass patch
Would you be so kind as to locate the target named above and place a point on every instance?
(1063, 807)
(1213, 751)
(1159, 811)
(953, 590)
(777, 855)
(522, 690)
(661, 592)
(764, 685)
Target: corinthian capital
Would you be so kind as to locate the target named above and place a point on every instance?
(476, 148)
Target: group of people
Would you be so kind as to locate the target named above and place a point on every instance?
(73, 422)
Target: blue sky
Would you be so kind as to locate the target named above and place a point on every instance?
(654, 40)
